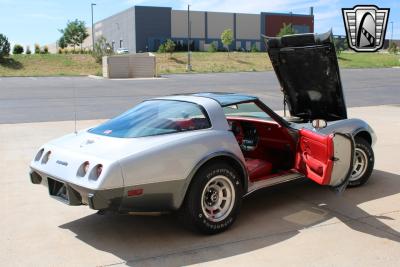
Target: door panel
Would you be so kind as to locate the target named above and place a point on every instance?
(326, 159)
(314, 156)
(343, 159)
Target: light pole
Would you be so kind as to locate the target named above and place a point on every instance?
(189, 66)
(91, 6)
(392, 32)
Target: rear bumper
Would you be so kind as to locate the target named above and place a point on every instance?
(154, 197)
(74, 195)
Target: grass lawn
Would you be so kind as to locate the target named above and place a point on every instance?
(49, 65)
(213, 62)
(71, 65)
(368, 60)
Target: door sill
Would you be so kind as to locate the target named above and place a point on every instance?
(273, 181)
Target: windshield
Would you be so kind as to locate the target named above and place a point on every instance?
(250, 110)
(155, 117)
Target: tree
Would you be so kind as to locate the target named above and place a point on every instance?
(45, 49)
(102, 48)
(169, 46)
(4, 46)
(18, 49)
(37, 49)
(74, 33)
(227, 38)
(28, 50)
(61, 42)
(287, 29)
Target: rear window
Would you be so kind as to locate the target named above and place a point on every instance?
(155, 117)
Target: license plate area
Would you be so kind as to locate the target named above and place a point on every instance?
(58, 190)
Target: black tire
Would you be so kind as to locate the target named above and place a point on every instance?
(364, 146)
(192, 213)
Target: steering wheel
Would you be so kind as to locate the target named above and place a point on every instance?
(237, 130)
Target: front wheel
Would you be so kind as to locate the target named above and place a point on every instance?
(213, 200)
(363, 163)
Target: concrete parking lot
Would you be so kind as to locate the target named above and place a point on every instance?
(298, 224)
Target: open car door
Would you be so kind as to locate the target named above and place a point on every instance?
(326, 159)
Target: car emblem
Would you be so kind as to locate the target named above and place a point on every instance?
(365, 27)
(64, 163)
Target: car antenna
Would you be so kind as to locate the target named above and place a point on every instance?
(75, 131)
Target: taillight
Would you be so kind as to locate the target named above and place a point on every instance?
(46, 157)
(39, 155)
(99, 169)
(85, 167)
(96, 172)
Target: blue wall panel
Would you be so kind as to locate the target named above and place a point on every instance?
(153, 27)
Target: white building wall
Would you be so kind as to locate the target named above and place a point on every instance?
(179, 26)
(217, 23)
(120, 26)
(248, 26)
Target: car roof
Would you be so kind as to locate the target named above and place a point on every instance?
(226, 99)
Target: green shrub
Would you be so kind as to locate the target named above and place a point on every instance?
(212, 47)
(161, 48)
(37, 49)
(169, 46)
(4, 46)
(287, 29)
(45, 49)
(102, 48)
(254, 48)
(28, 50)
(393, 48)
(18, 49)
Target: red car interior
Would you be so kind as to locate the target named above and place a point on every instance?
(314, 156)
(272, 148)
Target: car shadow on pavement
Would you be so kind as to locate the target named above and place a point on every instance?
(268, 217)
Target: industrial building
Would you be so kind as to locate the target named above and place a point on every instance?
(144, 28)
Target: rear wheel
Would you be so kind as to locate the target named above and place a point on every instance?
(213, 200)
(363, 163)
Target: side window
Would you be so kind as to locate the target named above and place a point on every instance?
(249, 110)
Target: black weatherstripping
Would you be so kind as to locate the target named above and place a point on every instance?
(307, 68)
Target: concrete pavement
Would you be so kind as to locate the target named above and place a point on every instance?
(52, 98)
(298, 224)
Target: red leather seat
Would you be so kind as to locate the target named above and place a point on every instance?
(258, 168)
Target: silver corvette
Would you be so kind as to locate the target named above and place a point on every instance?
(201, 154)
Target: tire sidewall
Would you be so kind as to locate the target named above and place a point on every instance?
(195, 197)
(366, 147)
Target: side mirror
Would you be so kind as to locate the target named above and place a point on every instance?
(319, 123)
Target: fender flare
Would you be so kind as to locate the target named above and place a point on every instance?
(178, 202)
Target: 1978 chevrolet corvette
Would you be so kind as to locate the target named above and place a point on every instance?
(201, 154)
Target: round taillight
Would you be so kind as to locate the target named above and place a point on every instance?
(46, 157)
(99, 169)
(39, 155)
(85, 167)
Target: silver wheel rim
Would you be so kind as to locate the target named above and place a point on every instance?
(360, 164)
(218, 198)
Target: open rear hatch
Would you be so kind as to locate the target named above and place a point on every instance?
(308, 71)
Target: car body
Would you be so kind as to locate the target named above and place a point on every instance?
(200, 154)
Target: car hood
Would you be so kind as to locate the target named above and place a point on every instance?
(308, 71)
